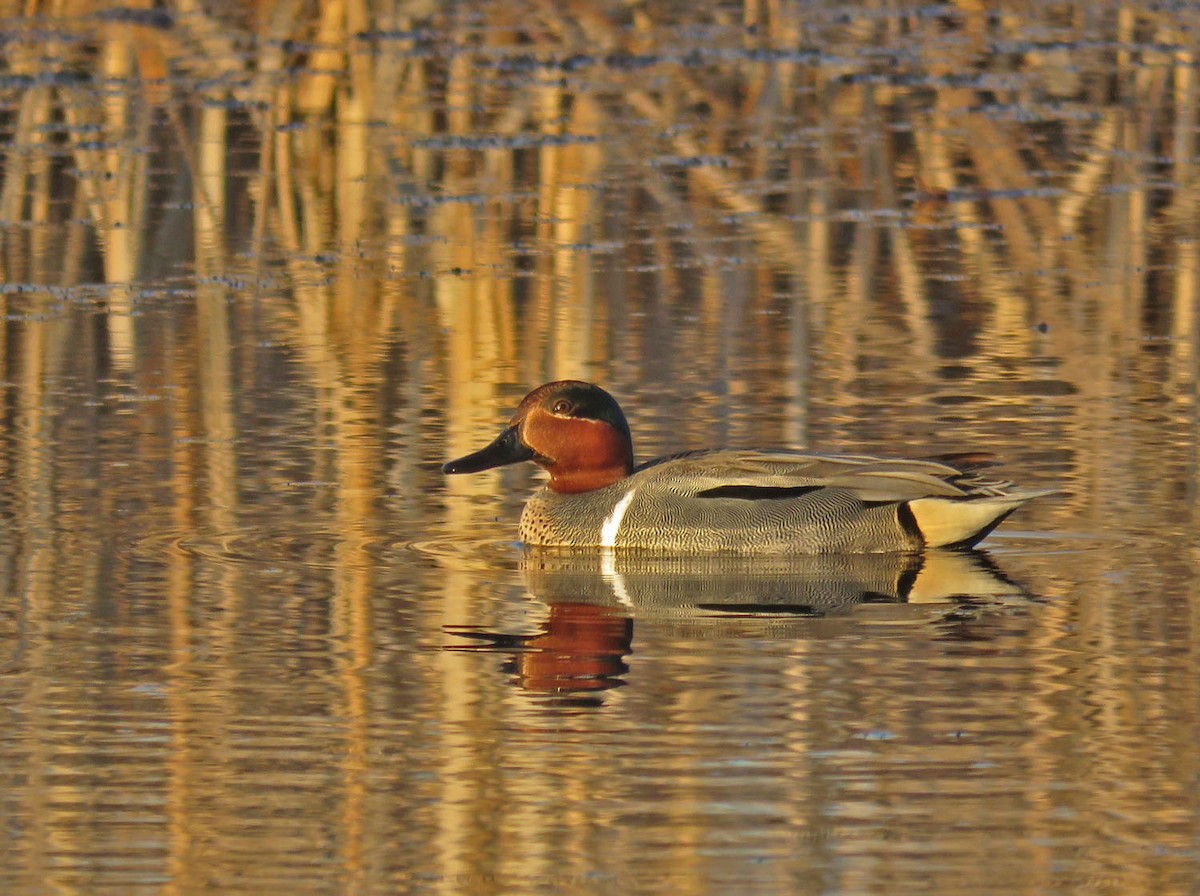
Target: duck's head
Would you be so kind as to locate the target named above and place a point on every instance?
(574, 430)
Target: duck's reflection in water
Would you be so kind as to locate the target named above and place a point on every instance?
(594, 598)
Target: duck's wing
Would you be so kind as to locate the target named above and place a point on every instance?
(782, 473)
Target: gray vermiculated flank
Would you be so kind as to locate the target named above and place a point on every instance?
(829, 520)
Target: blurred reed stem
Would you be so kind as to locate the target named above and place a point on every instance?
(378, 131)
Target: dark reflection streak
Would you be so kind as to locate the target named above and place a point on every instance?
(21, 634)
(492, 640)
(752, 611)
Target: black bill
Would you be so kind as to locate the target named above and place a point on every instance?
(506, 449)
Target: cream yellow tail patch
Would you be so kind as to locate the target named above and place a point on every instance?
(944, 522)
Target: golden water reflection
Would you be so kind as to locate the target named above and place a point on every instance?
(782, 748)
(263, 269)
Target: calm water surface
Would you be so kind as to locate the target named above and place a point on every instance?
(263, 274)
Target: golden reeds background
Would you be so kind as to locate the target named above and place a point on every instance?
(431, 136)
(526, 190)
(263, 265)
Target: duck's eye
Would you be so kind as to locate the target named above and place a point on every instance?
(563, 407)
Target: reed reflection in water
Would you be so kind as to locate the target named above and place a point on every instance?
(263, 269)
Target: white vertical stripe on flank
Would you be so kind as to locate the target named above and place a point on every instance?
(612, 525)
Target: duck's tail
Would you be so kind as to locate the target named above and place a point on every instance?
(963, 522)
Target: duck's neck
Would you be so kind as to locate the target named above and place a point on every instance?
(572, 481)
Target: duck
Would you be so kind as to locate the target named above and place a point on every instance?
(774, 501)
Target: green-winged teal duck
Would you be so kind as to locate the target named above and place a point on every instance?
(773, 501)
